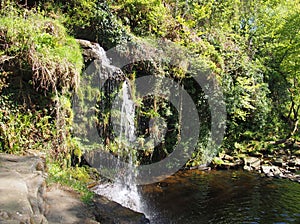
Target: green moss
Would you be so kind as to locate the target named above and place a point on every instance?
(145, 17)
(20, 132)
(40, 46)
(40, 65)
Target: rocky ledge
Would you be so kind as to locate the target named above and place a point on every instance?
(280, 165)
(25, 198)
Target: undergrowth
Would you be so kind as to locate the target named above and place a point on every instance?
(40, 66)
(75, 177)
(40, 47)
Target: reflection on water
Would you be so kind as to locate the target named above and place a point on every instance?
(222, 197)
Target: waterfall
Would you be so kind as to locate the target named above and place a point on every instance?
(127, 132)
(124, 190)
(121, 131)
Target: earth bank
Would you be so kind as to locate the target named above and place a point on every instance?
(26, 199)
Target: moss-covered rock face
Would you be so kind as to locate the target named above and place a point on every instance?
(40, 65)
(37, 48)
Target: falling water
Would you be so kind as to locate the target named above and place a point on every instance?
(123, 190)
(127, 114)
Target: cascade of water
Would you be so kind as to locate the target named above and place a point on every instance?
(123, 190)
(127, 114)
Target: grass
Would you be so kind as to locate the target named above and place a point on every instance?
(41, 46)
(77, 178)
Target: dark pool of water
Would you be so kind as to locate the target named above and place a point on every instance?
(222, 197)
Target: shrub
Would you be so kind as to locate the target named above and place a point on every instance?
(88, 19)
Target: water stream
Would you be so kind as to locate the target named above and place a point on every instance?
(124, 190)
(197, 197)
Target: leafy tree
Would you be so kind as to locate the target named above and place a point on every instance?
(277, 47)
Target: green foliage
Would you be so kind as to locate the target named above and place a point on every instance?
(39, 47)
(77, 178)
(87, 19)
(279, 43)
(250, 47)
(39, 63)
(144, 17)
(20, 132)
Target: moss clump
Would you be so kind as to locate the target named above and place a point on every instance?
(40, 66)
(38, 48)
(77, 178)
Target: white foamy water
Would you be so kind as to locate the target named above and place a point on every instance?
(127, 196)
(123, 190)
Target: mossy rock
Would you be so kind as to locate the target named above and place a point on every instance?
(217, 161)
(297, 153)
(39, 50)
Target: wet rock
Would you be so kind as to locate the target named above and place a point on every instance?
(251, 163)
(279, 165)
(292, 169)
(278, 162)
(238, 162)
(228, 165)
(110, 212)
(91, 51)
(296, 178)
(25, 199)
(65, 207)
(297, 162)
(226, 162)
(294, 162)
(203, 168)
(247, 168)
(271, 171)
(228, 157)
(97, 62)
(266, 169)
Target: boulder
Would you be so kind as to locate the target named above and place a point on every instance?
(251, 163)
(91, 51)
(95, 59)
(271, 171)
(228, 157)
(278, 162)
(65, 207)
(22, 188)
(25, 198)
(110, 212)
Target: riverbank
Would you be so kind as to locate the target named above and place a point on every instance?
(280, 164)
(26, 198)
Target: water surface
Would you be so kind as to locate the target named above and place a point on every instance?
(222, 197)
